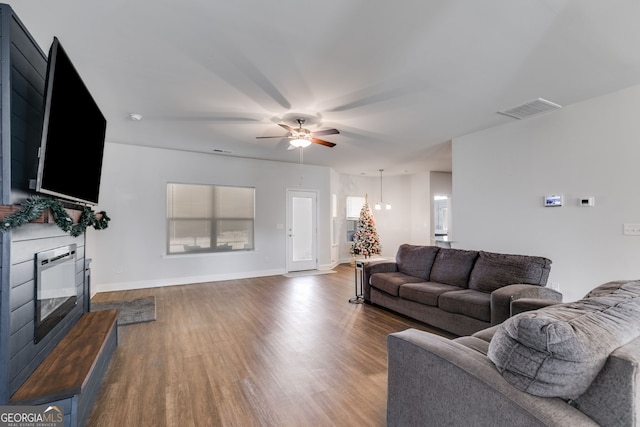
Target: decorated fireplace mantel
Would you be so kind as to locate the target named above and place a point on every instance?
(47, 211)
(46, 217)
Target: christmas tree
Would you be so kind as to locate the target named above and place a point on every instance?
(366, 240)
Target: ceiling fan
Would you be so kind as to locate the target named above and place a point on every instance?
(302, 137)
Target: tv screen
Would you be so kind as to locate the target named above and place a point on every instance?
(73, 132)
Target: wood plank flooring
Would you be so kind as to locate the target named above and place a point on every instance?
(269, 351)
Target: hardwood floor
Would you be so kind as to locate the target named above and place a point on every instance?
(269, 351)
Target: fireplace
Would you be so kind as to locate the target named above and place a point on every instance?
(56, 293)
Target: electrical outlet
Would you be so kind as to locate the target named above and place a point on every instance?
(631, 229)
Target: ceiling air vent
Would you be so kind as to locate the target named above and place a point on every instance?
(531, 108)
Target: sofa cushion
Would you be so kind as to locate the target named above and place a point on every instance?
(425, 292)
(467, 302)
(557, 351)
(487, 333)
(453, 266)
(416, 260)
(391, 282)
(492, 271)
(474, 343)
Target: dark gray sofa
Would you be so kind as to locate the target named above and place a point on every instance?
(459, 291)
(567, 364)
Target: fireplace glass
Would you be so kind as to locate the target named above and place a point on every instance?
(56, 293)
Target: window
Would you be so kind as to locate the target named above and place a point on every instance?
(354, 206)
(209, 218)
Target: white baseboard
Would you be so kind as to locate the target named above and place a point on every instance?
(330, 266)
(159, 283)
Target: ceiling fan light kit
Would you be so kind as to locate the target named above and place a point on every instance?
(300, 142)
(301, 137)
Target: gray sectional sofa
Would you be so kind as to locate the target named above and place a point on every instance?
(459, 291)
(566, 364)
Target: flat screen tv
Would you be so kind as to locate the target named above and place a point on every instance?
(73, 133)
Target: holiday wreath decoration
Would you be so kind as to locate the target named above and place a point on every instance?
(34, 206)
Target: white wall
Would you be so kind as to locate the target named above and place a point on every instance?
(500, 176)
(421, 210)
(393, 226)
(131, 252)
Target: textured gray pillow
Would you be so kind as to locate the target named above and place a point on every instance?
(558, 351)
(492, 271)
(453, 266)
(416, 260)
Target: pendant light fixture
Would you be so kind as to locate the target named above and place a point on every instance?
(378, 206)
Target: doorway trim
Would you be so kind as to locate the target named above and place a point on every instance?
(312, 263)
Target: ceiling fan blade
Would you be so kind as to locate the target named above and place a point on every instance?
(322, 142)
(263, 137)
(287, 127)
(325, 132)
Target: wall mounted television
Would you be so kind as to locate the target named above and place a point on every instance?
(73, 134)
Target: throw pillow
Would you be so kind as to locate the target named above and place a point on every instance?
(557, 351)
(492, 271)
(453, 266)
(415, 260)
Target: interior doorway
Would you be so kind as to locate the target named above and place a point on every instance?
(302, 218)
(441, 218)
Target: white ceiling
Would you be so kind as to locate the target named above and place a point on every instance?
(399, 79)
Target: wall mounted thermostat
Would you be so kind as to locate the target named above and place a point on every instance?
(552, 200)
(586, 201)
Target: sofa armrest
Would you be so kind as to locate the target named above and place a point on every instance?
(501, 299)
(436, 381)
(372, 268)
(528, 304)
(611, 398)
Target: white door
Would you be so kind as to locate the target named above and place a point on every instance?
(301, 230)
